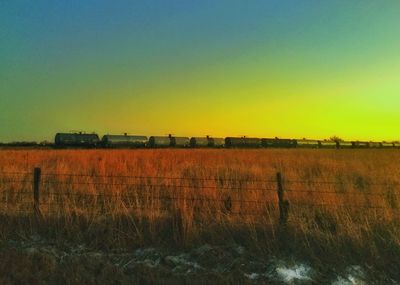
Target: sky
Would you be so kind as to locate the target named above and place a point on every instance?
(261, 68)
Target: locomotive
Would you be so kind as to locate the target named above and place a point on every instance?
(134, 141)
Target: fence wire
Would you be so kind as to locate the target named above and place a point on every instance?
(14, 188)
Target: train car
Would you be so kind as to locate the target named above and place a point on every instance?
(160, 141)
(123, 141)
(278, 143)
(242, 142)
(375, 144)
(199, 142)
(358, 144)
(216, 142)
(344, 145)
(396, 144)
(304, 143)
(328, 144)
(386, 145)
(76, 140)
(180, 141)
(207, 142)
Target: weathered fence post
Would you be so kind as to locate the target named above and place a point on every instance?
(283, 204)
(36, 190)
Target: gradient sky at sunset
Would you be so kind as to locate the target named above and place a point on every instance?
(260, 68)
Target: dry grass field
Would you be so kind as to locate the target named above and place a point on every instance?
(343, 204)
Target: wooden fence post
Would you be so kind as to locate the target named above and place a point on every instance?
(283, 204)
(36, 190)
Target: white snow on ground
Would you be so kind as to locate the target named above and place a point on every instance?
(298, 272)
(257, 271)
(354, 276)
(252, 276)
(240, 250)
(182, 261)
(144, 251)
(150, 263)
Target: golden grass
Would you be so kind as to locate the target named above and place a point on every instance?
(354, 193)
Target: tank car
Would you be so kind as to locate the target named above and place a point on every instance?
(207, 142)
(179, 141)
(375, 145)
(304, 143)
(386, 145)
(199, 142)
(328, 144)
(279, 143)
(358, 144)
(159, 141)
(76, 140)
(244, 142)
(344, 144)
(216, 142)
(396, 144)
(124, 141)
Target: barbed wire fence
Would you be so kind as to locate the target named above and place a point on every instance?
(37, 193)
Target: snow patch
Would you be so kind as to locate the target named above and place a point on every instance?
(252, 276)
(203, 249)
(181, 261)
(240, 250)
(298, 272)
(145, 251)
(355, 275)
(150, 263)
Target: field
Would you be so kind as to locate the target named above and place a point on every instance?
(342, 206)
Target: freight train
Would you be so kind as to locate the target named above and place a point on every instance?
(133, 141)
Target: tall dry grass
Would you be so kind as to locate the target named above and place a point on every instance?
(343, 203)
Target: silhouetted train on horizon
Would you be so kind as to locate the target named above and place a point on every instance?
(133, 141)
